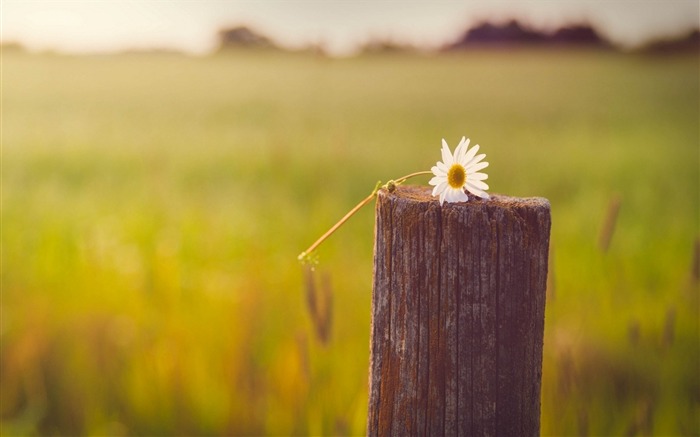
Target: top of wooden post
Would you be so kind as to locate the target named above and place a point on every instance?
(422, 194)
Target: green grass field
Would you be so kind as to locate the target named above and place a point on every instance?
(153, 207)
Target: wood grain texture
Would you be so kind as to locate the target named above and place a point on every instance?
(457, 315)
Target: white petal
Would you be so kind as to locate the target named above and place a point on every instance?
(448, 195)
(477, 176)
(460, 196)
(438, 172)
(437, 180)
(476, 167)
(442, 166)
(476, 159)
(485, 195)
(442, 197)
(446, 154)
(440, 189)
(459, 150)
(478, 184)
(474, 190)
(470, 154)
(465, 148)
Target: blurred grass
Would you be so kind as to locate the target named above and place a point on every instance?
(153, 208)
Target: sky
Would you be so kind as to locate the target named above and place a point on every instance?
(88, 26)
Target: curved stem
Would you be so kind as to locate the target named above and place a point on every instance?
(330, 232)
(302, 256)
(409, 176)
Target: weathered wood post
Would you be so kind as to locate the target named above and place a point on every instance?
(457, 315)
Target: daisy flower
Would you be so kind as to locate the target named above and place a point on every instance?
(458, 172)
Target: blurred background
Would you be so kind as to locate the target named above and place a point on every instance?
(163, 163)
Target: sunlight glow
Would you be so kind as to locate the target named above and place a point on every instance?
(84, 26)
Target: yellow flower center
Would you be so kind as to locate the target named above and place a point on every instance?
(456, 176)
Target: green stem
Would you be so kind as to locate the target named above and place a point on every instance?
(409, 176)
(330, 232)
(305, 254)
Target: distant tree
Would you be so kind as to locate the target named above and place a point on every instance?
(513, 33)
(685, 44)
(488, 34)
(11, 47)
(243, 37)
(385, 46)
(578, 35)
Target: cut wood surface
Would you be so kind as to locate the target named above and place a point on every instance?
(457, 315)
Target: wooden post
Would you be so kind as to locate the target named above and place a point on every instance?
(457, 315)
